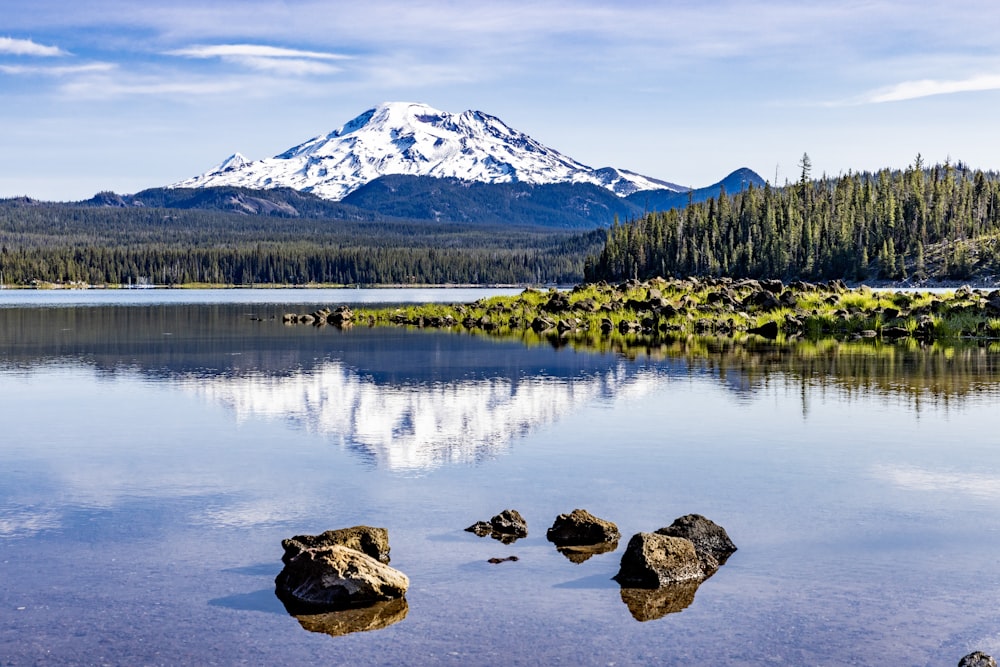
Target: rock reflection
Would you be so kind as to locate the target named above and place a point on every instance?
(649, 604)
(583, 553)
(375, 617)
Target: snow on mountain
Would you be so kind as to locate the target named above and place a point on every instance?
(417, 140)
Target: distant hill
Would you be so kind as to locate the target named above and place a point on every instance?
(399, 197)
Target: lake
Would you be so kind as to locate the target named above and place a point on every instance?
(159, 444)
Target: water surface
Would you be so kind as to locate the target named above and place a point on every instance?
(154, 456)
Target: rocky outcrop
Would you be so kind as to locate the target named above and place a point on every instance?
(373, 542)
(710, 540)
(333, 577)
(580, 527)
(652, 560)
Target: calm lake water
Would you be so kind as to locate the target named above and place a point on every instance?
(154, 454)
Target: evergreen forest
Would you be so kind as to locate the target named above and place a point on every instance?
(939, 222)
(70, 243)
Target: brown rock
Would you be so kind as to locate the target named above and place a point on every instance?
(581, 527)
(652, 560)
(336, 577)
(710, 540)
(371, 541)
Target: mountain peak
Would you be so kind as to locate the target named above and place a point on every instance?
(410, 138)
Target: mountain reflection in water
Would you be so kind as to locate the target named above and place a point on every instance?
(416, 426)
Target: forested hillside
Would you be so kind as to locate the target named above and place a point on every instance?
(919, 223)
(113, 245)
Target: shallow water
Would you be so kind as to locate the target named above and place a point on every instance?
(153, 458)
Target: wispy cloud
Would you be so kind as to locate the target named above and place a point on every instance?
(26, 47)
(104, 87)
(66, 70)
(253, 51)
(911, 90)
(263, 58)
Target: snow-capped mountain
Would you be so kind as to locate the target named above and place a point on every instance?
(417, 140)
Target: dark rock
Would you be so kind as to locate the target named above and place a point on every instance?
(510, 522)
(581, 527)
(557, 303)
(336, 577)
(607, 326)
(762, 300)
(480, 528)
(340, 316)
(767, 330)
(373, 617)
(977, 659)
(652, 560)
(373, 542)
(540, 324)
(649, 604)
(772, 286)
(497, 561)
(711, 541)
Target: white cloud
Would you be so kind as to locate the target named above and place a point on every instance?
(911, 90)
(26, 47)
(272, 59)
(67, 70)
(253, 51)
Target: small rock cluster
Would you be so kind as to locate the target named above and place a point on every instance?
(341, 316)
(508, 526)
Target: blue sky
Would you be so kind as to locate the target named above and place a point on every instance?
(123, 95)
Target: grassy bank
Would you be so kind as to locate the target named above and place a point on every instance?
(658, 308)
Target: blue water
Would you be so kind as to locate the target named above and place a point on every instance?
(154, 456)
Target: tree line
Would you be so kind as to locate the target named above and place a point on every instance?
(858, 226)
(65, 243)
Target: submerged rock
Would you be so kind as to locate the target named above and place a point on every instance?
(373, 617)
(710, 540)
(652, 560)
(371, 541)
(581, 527)
(334, 577)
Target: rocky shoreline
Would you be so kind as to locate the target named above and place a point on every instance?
(661, 308)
